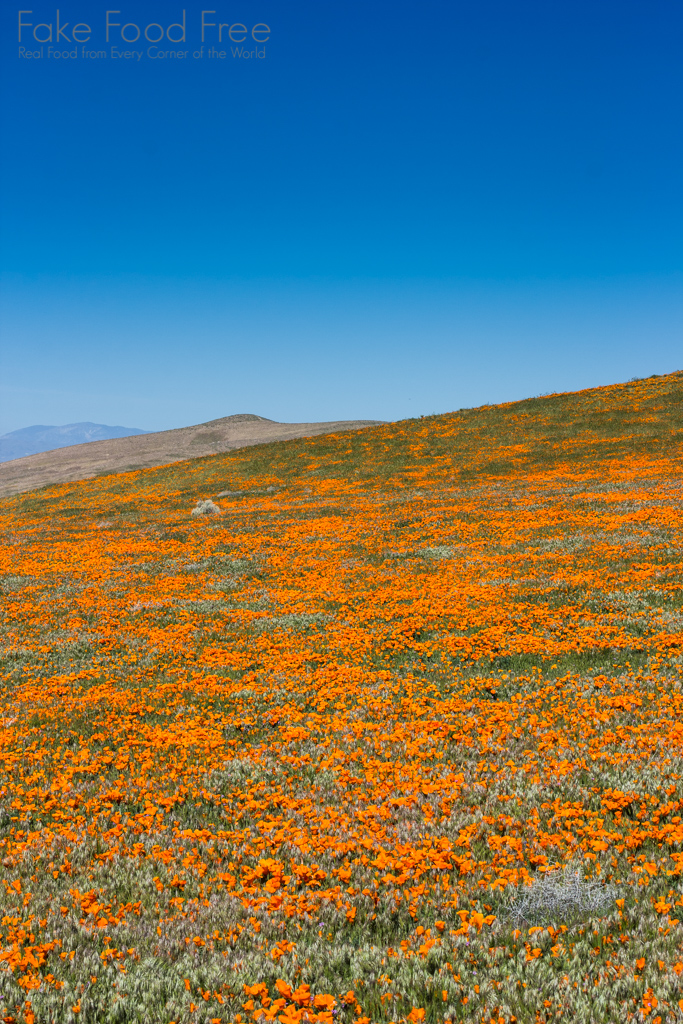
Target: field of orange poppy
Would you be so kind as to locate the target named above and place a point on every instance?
(396, 736)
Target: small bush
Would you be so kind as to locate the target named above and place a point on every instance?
(206, 508)
(440, 551)
(566, 899)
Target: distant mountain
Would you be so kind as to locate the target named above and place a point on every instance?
(32, 440)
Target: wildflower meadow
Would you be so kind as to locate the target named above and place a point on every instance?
(391, 733)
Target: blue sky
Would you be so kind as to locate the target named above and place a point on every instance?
(399, 208)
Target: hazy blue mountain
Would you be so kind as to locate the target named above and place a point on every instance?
(31, 440)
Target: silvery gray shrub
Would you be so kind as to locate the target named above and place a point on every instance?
(554, 899)
(206, 508)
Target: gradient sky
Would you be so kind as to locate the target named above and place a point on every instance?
(401, 208)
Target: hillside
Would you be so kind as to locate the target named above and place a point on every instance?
(397, 736)
(120, 454)
(638, 420)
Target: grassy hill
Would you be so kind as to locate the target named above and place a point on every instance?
(641, 419)
(396, 736)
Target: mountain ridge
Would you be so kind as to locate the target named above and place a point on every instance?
(41, 437)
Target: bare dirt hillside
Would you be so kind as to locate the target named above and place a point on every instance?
(97, 458)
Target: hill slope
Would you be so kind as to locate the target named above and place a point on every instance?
(636, 420)
(396, 736)
(640, 420)
(122, 454)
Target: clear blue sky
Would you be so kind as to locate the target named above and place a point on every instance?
(400, 208)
